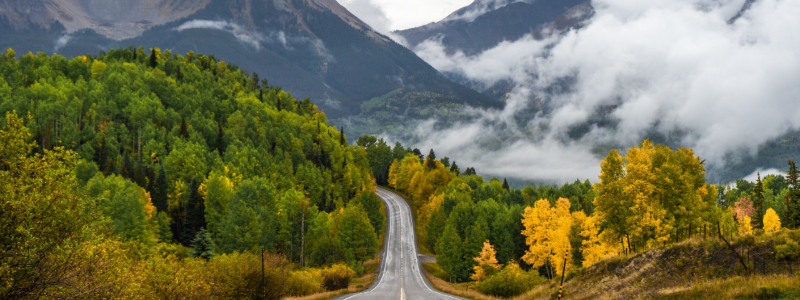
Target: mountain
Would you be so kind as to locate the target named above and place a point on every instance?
(311, 48)
(485, 23)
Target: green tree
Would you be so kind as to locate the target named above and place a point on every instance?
(194, 218)
(356, 233)
(160, 192)
(450, 255)
(202, 246)
(758, 202)
(125, 204)
(153, 58)
(792, 201)
(430, 161)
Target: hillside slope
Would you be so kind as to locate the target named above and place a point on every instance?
(312, 48)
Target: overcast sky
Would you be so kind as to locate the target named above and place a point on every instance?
(389, 15)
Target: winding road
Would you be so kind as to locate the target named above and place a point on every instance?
(400, 276)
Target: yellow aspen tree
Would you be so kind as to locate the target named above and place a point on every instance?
(547, 234)
(772, 223)
(487, 263)
(646, 214)
(537, 220)
(393, 174)
(561, 249)
(594, 249)
(745, 227)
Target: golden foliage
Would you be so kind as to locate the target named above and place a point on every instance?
(547, 234)
(772, 223)
(487, 262)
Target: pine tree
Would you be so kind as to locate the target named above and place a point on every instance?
(178, 74)
(194, 218)
(792, 201)
(342, 139)
(153, 58)
(202, 246)
(160, 191)
(758, 202)
(184, 131)
(220, 140)
(505, 184)
(454, 168)
(430, 161)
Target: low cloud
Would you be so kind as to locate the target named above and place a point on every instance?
(257, 39)
(480, 7)
(676, 69)
(754, 176)
(61, 42)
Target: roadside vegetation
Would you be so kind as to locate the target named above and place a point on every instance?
(654, 200)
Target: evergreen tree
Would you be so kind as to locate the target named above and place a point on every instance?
(220, 140)
(160, 190)
(194, 218)
(758, 202)
(505, 184)
(418, 154)
(184, 131)
(153, 58)
(454, 168)
(792, 212)
(430, 161)
(342, 139)
(202, 246)
(178, 74)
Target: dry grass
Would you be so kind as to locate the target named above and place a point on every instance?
(458, 289)
(356, 284)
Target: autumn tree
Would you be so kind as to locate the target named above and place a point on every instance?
(547, 235)
(487, 263)
(44, 220)
(772, 223)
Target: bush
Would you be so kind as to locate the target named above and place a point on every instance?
(766, 293)
(511, 281)
(336, 277)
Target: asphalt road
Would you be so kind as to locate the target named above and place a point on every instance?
(400, 276)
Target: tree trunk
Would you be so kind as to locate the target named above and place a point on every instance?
(302, 237)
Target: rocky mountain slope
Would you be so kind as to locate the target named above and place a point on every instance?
(312, 48)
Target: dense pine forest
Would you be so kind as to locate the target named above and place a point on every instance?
(145, 174)
(505, 242)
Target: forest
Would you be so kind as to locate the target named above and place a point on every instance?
(506, 241)
(142, 173)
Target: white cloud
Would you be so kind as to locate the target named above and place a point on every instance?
(389, 15)
(663, 66)
(61, 42)
(753, 176)
(256, 39)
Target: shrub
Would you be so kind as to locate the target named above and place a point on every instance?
(336, 277)
(510, 281)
